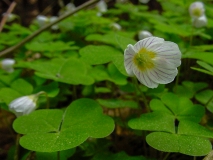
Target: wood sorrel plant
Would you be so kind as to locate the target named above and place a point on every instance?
(96, 111)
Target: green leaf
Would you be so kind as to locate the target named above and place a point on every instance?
(194, 129)
(202, 70)
(51, 89)
(189, 145)
(53, 130)
(98, 54)
(153, 122)
(204, 97)
(117, 103)
(22, 86)
(9, 78)
(157, 105)
(112, 38)
(50, 46)
(204, 56)
(188, 88)
(99, 73)
(116, 76)
(106, 38)
(7, 95)
(39, 121)
(124, 41)
(183, 108)
(71, 70)
(119, 63)
(206, 66)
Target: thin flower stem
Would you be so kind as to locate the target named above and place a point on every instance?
(191, 37)
(167, 155)
(194, 158)
(30, 37)
(16, 155)
(142, 94)
(47, 98)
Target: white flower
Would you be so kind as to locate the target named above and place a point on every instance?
(144, 1)
(52, 19)
(199, 22)
(70, 7)
(144, 34)
(196, 9)
(153, 61)
(10, 16)
(102, 6)
(43, 20)
(23, 105)
(116, 26)
(7, 65)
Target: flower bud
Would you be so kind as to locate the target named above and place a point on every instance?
(116, 26)
(144, 34)
(199, 22)
(23, 105)
(102, 6)
(7, 65)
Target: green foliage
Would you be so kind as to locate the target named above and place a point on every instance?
(84, 60)
(208, 69)
(71, 71)
(173, 137)
(55, 130)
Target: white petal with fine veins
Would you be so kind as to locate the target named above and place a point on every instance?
(153, 61)
(23, 105)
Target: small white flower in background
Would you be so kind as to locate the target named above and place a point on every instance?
(10, 16)
(116, 26)
(144, 1)
(69, 7)
(43, 20)
(102, 6)
(196, 9)
(7, 65)
(153, 61)
(52, 19)
(23, 105)
(199, 22)
(144, 34)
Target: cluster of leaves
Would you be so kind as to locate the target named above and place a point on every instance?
(81, 69)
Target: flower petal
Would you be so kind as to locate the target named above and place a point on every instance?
(144, 78)
(128, 59)
(162, 76)
(149, 43)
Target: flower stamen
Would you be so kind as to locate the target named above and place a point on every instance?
(143, 59)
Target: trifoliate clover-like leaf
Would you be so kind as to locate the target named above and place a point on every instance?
(52, 130)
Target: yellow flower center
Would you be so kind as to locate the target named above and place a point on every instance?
(196, 12)
(143, 59)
